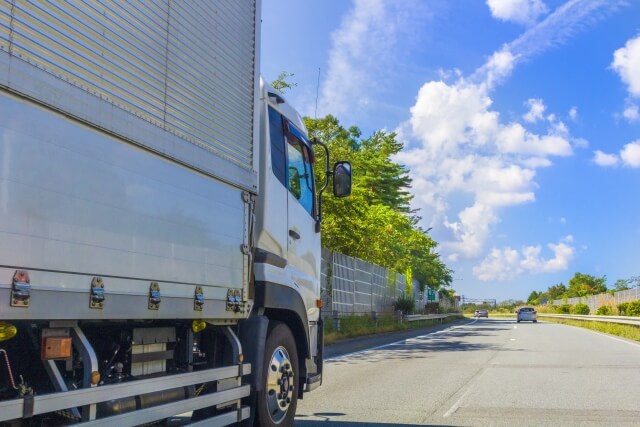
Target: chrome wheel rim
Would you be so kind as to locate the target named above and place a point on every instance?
(280, 384)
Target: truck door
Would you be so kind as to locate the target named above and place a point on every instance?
(303, 241)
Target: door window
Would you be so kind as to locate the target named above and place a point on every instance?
(299, 171)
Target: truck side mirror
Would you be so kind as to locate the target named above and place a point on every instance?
(342, 179)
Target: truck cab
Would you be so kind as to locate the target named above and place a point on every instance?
(288, 247)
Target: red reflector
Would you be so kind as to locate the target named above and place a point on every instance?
(319, 303)
(21, 276)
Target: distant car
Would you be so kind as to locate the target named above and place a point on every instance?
(481, 313)
(527, 313)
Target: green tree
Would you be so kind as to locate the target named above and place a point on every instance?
(376, 222)
(281, 84)
(387, 182)
(621, 285)
(556, 291)
(582, 285)
(533, 298)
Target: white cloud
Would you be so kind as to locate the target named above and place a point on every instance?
(508, 263)
(562, 24)
(573, 113)
(536, 162)
(499, 66)
(603, 159)
(456, 143)
(520, 11)
(515, 139)
(467, 163)
(499, 265)
(364, 51)
(536, 110)
(630, 154)
(631, 113)
(626, 62)
(580, 142)
(460, 145)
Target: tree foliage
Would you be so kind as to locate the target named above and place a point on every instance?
(282, 83)
(580, 285)
(376, 223)
(621, 285)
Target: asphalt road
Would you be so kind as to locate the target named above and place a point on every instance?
(483, 373)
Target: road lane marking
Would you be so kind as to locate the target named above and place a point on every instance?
(633, 343)
(469, 386)
(512, 339)
(354, 353)
(456, 405)
(625, 341)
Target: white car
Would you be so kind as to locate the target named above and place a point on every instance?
(528, 314)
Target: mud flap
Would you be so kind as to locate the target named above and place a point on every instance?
(253, 336)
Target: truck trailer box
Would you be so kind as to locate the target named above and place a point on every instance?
(127, 156)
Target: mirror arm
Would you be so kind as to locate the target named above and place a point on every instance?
(327, 174)
(327, 171)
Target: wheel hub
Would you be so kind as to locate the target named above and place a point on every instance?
(280, 384)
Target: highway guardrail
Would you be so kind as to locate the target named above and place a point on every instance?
(624, 320)
(414, 317)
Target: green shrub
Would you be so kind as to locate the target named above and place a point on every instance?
(604, 310)
(580, 309)
(564, 309)
(633, 309)
(405, 304)
(622, 308)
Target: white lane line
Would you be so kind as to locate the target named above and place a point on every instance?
(398, 342)
(512, 339)
(635, 344)
(456, 405)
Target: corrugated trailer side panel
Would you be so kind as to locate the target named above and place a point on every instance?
(185, 67)
(126, 153)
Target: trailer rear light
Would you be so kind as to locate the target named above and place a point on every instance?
(56, 348)
(7, 331)
(319, 303)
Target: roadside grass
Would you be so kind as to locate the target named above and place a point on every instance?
(625, 331)
(359, 326)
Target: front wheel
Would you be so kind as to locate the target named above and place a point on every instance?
(277, 401)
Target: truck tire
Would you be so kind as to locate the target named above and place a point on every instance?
(277, 401)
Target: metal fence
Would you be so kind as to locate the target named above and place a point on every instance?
(596, 301)
(351, 285)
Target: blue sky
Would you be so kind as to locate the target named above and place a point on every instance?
(520, 119)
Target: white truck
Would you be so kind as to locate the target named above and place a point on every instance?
(159, 219)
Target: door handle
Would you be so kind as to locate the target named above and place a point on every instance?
(294, 234)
